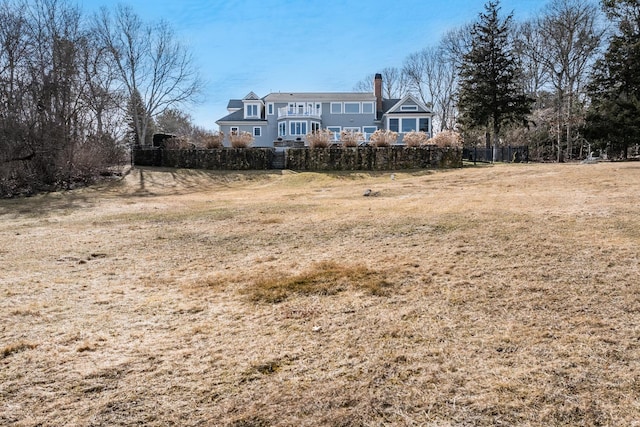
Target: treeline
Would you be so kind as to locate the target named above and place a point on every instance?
(77, 90)
(564, 83)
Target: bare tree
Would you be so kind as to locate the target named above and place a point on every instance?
(150, 61)
(432, 77)
(530, 49)
(456, 43)
(47, 124)
(570, 37)
(14, 58)
(394, 85)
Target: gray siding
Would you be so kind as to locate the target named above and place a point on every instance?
(328, 119)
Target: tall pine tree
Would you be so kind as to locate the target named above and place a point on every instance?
(614, 114)
(139, 121)
(490, 93)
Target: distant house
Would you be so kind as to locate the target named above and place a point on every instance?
(281, 118)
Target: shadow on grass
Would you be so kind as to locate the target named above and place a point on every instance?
(144, 182)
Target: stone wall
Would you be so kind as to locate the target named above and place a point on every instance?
(304, 159)
(373, 158)
(217, 159)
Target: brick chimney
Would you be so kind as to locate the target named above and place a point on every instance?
(377, 90)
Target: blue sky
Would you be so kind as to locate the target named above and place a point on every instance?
(302, 45)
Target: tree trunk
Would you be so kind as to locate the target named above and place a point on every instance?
(496, 139)
(569, 119)
(559, 126)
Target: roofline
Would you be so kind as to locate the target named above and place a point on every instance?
(405, 98)
(241, 122)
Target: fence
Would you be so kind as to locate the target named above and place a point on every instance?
(497, 154)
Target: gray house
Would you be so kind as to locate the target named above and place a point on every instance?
(286, 118)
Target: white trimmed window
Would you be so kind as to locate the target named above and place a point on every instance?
(252, 110)
(282, 129)
(336, 108)
(423, 124)
(315, 127)
(367, 108)
(336, 132)
(368, 130)
(270, 109)
(394, 125)
(408, 125)
(297, 128)
(409, 108)
(352, 108)
(257, 131)
(234, 130)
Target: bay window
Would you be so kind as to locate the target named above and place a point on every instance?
(297, 128)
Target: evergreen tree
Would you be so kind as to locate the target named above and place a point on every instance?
(490, 93)
(139, 121)
(614, 113)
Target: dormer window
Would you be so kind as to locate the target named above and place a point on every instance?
(409, 108)
(252, 110)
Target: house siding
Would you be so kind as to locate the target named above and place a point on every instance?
(269, 122)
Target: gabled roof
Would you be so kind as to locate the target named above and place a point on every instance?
(238, 116)
(251, 96)
(234, 104)
(396, 108)
(387, 104)
(233, 117)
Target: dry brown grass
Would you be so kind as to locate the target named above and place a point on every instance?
(502, 295)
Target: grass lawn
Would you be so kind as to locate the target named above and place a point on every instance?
(493, 295)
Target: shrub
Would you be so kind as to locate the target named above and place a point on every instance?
(447, 138)
(350, 138)
(383, 137)
(241, 139)
(213, 139)
(177, 143)
(320, 139)
(415, 139)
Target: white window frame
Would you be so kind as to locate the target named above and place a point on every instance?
(369, 104)
(338, 104)
(351, 128)
(367, 134)
(282, 129)
(234, 130)
(428, 119)
(415, 122)
(336, 132)
(259, 131)
(270, 109)
(315, 126)
(294, 131)
(408, 108)
(413, 128)
(357, 104)
(251, 113)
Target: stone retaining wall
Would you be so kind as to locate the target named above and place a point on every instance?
(218, 159)
(304, 159)
(373, 158)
